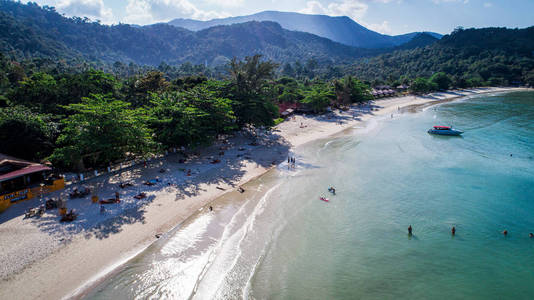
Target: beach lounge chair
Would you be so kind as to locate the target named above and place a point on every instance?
(140, 196)
(123, 185)
(69, 217)
(110, 201)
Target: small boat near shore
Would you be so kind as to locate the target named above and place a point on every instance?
(324, 199)
(444, 130)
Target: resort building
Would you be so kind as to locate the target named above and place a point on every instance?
(382, 91)
(23, 180)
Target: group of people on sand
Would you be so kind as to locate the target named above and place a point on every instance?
(453, 232)
(291, 161)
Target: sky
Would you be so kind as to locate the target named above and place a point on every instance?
(385, 16)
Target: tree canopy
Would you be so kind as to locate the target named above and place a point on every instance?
(100, 130)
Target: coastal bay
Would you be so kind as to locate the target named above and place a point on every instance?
(282, 242)
(83, 256)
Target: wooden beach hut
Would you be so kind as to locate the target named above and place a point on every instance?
(23, 180)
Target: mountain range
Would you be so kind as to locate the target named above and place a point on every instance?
(343, 30)
(28, 30)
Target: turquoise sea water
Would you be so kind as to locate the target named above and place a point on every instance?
(282, 242)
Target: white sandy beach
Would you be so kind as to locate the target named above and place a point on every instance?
(41, 258)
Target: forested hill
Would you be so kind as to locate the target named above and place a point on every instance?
(419, 40)
(30, 31)
(339, 29)
(493, 56)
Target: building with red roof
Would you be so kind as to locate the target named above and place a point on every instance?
(22, 180)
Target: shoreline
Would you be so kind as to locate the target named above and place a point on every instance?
(83, 262)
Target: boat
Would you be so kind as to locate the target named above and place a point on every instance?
(444, 130)
(324, 199)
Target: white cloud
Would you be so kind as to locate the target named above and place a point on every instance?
(488, 4)
(93, 9)
(153, 11)
(225, 3)
(313, 7)
(445, 1)
(382, 27)
(349, 8)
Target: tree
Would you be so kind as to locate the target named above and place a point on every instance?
(422, 85)
(318, 98)
(73, 87)
(475, 82)
(188, 82)
(25, 134)
(140, 89)
(311, 65)
(350, 90)
(15, 73)
(287, 90)
(529, 78)
(441, 80)
(191, 117)
(38, 91)
(250, 91)
(153, 81)
(288, 70)
(101, 130)
(48, 93)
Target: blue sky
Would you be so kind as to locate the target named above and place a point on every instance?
(385, 16)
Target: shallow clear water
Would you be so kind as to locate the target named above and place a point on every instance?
(282, 242)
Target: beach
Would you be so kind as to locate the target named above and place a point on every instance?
(42, 258)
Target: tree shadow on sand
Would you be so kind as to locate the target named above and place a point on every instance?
(209, 166)
(92, 222)
(352, 114)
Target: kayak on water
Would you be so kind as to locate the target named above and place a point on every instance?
(324, 199)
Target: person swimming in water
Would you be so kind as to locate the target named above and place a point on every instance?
(332, 190)
(410, 230)
(531, 235)
(505, 232)
(453, 230)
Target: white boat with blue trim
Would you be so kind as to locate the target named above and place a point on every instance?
(444, 130)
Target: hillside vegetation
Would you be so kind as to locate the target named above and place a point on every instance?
(32, 31)
(471, 57)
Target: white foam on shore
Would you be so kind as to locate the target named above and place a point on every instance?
(228, 251)
(106, 272)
